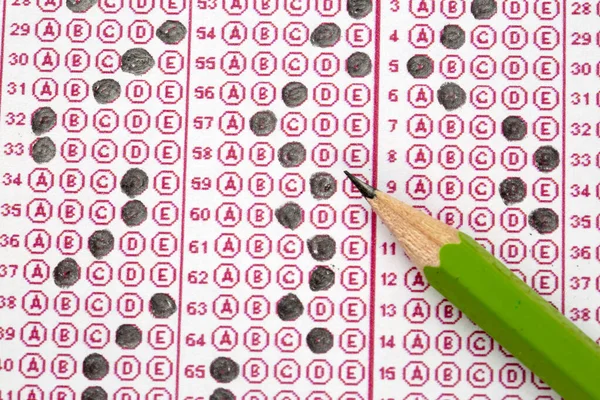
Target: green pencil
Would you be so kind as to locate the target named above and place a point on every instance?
(494, 298)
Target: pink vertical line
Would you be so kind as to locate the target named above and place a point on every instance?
(4, 12)
(564, 160)
(373, 270)
(182, 236)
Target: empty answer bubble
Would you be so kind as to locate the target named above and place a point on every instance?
(294, 94)
(321, 247)
(452, 37)
(289, 307)
(321, 278)
(43, 120)
(358, 65)
(326, 35)
(224, 369)
(420, 66)
(291, 154)
(136, 61)
(134, 182)
(171, 32)
(134, 213)
(546, 158)
(514, 128)
(543, 220)
(322, 185)
(263, 123)
(94, 393)
(43, 150)
(319, 340)
(162, 305)
(289, 215)
(95, 367)
(358, 9)
(101, 243)
(451, 96)
(106, 90)
(512, 190)
(128, 336)
(221, 394)
(66, 273)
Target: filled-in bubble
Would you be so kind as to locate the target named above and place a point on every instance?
(80, 6)
(326, 35)
(171, 32)
(291, 154)
(358, 65)
(294, 94)
(420, 66)
(106, 90)
(136, 61)
(43, 120)
(358, 9)
(512, 190)
(546, 158)
(162, 305)
(319, 340)
(134, 213)
(289, 215)
(101, 243)
(221, 394)
(543, 220)
(66, 273)
(321, 247)
(224, 369)
(43, 150)
(94, 393)
(452, 37)
(514, 128)
(451, 96)
(289, 307)
(322, 185)
(263, 123)
(134, 182)
(95, 367)
(321, 278)
(128, 336)
(483, 9)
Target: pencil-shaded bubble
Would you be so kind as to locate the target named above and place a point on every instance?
(326, 35)
(43, 120)
(483, 9)
(66, 273)
(162, 305)
(512, 190)
(134, 213)
(224, 369)
(289, 215)
(546, 158)
(322, 185)
(319, 340)
(543, 220)
(289, 307)
(291, 154)
(514, 128)
(43, 150)
(321, 247)
(420, 66)
(80, 6)
(106, 90)
(358, 9)
(134, 182)
(221, 394)
(452, 37)
(136, 61)
(171, 32)
(358, 65)
(128, 336)
(101, 243)
(451, 96)
(94, 393)
(321, 278)
(263, 123)
(95, 367)
(294, 94)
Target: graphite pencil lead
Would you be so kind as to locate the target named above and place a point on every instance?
(364, 189)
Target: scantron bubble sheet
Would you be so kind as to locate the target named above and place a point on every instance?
(176, 224)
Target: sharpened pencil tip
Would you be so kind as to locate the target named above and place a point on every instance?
(364, 189)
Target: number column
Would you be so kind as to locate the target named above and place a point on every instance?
(581, 132)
